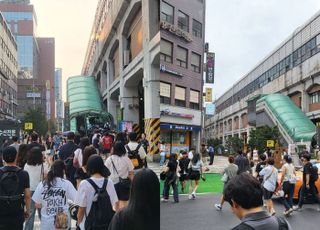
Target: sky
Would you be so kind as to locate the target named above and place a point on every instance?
(243, 32)
(69, 22)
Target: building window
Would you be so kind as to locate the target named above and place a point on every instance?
(182, 57)
(166, 12)
(315, 97)
(196, 29)
(194, 99)
(180, 96)
(165, 92)
(166, 51)
(195, 62)
(183, 21)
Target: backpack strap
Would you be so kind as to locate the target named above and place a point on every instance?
(95, 186)
(138, 147)
(128, 149)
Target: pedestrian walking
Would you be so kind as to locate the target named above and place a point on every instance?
(211, 154)
(250, 211)
(270, 177)
(183, 164)
(22, 155)
(37, 170)
(242, 162)
(171, 179)
(261, 165)
(78, 153)
(107, 143)
(145, 145)
(228, 173)
(163, 152)
(195, 171)
(310, 176)
(15, 143)
(97, 198)
(121, 169)
(66, 153)
(288, 180)
(52, 195)
(135, 151)
(143, 210)
(15, 194)
(82, 173)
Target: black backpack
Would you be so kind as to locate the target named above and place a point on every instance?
(101, 211)
(11, 200)
(314, 176)
(134, 156)
(282, 223)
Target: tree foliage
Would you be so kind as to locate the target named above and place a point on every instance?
(258, 137)
(38, 118)
(214, 142)
(233, 144)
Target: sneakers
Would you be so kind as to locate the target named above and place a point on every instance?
(288, 212)
(218, 207)
(192, 196)
(273, 212)
(297, 208)
(164, 200)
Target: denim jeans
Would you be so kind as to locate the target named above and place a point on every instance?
(162, 159)
(30, 221)
(287, 199)
(304, 190)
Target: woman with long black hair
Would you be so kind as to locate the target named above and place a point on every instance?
(171, 179)
(195, 170)
(52, 195)
(143, 210)
(121, 169)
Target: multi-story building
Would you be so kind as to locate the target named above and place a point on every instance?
(35, 55)
(8, 72)
(123, 56)
(58, 97)
(291, 69)
(182, 26)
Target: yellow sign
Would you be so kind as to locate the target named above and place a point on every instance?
(28, 126)
(208, 95)
(270, 143)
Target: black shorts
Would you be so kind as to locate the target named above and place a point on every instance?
(267, 194)
(123, 194)
(183, 177)
(194, 175)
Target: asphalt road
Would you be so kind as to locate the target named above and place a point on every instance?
(200, 214)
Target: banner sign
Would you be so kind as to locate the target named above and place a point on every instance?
(210, 109)
(210, 68)
(125, 126)
(208, 95)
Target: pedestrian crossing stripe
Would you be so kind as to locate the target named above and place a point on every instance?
(152, 130)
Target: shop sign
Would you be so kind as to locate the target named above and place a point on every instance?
(208, 95)
(210, 109)
(270, 143)
(210, 68)
(28, 126)
(125, 126)
(33, 94)
(164, 68)
(180, 127)
(175, 30)
(167, 112)
(8, 132)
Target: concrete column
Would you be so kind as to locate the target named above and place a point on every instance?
(129, 102)
(112, 109)
(305, 100)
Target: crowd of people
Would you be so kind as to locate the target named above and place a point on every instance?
(102, 182)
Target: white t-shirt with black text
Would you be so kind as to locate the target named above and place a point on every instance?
(53, 200)
(86, 195)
